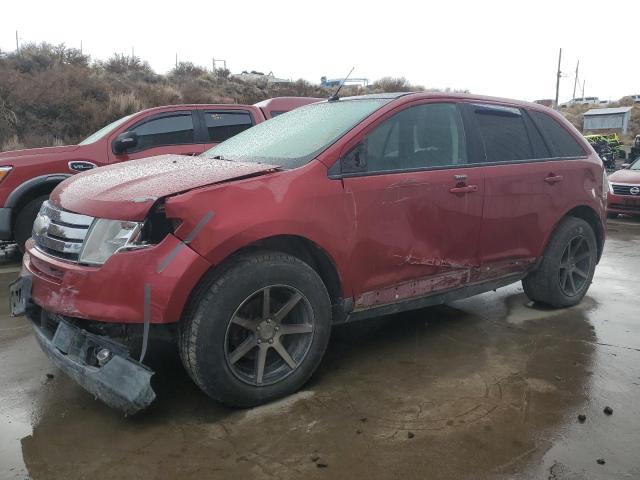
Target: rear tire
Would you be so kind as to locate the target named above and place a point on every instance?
(24, 221)
(565, 273)
(244, 350)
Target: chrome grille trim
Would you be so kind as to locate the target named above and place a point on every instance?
(59, 233)
(63, 217)
(625, 189)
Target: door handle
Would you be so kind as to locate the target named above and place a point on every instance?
(551, 179)
(465, 189)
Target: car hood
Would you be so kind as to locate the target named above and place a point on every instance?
(126, 191)
(34, 152)
(625, 176)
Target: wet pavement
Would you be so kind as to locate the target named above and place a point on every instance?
(488, 387)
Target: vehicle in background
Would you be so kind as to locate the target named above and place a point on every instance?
(28, 176)
(624, 191)
(583, 101)
(335, 212)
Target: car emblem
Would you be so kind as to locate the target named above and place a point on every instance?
(634, 190)
(81, 166)
(41, 225)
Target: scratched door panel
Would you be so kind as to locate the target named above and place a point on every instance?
(410, 226)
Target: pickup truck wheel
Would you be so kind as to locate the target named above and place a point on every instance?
(257, 330)
(24, 221)
(565, 273)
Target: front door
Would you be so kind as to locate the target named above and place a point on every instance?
(164, 133)
(416, 206)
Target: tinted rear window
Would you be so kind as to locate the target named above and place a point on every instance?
(504, 133)
(559, 140)
(223, 125)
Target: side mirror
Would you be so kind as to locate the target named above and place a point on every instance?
(626, 165)
(125, 141)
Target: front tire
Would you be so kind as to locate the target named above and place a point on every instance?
(24, 221)
(565, 273)
(255, 330)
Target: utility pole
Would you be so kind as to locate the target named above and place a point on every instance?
(17, 43)
(133, 52)
(213, 65)
(176, 60)
(583, 88)
(575, 82)
(558, 78)
(80, 47)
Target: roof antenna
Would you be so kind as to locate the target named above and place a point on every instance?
(335, 97)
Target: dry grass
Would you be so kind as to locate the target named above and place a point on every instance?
(52, 94)
(11, 143)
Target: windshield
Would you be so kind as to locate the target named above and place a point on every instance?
(104, 130)
(293, 139)
(635, 165)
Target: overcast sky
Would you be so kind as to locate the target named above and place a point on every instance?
(507, 49)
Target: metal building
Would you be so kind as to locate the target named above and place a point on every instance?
(607, 119)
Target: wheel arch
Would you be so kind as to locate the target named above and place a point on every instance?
(32, 188)
(302, 248)
(589, 215)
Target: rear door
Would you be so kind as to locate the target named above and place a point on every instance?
(527, 188)
(168, 132)
(417, 207)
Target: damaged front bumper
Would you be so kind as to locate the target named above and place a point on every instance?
(100, 365)
(120, 382)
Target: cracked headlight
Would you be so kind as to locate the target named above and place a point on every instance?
(106, 237)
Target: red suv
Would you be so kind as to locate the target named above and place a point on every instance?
(27, 177)
(335, 212)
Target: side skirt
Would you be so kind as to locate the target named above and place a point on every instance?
(429, 300)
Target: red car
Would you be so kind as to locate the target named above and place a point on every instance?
(334, 212)
(624, 191)
(27, 177)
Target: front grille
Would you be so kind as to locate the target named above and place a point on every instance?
(59, 233)
(621, 189)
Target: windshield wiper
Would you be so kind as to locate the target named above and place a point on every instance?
(220, 157)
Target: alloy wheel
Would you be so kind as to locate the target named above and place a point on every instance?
(575, 265)
(269, 335)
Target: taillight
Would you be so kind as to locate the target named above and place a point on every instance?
(606, 186)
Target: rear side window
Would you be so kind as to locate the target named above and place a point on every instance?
(223, 125)
(503, 133)
(174, 129)
(559, 140)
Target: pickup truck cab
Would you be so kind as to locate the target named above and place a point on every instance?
(334, 212)
(28, 176)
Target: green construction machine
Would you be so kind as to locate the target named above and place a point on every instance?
(614, 143)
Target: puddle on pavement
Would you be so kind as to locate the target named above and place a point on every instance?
(448, 379)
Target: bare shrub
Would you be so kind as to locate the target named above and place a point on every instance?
(54, 94)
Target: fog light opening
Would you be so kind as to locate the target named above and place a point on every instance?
(103, 356)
